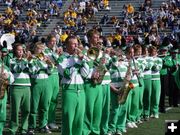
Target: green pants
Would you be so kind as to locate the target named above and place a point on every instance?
(20, 97)
(53, 92)
(3, 112)
(73, 108)
(93, 111)
(141, 92)
(133, 105)
(105, 108)
(155, 96)
(147, 96)
(118, 114)
(39, 102)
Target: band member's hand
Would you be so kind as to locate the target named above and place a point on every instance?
(128, 77)
(47, 60)
(59, 51)
(81, 56)
(5, 75)
(135, 71)
(29, 55)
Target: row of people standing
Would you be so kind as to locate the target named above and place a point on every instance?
(30, 91)
(78, 82)
(85, 100)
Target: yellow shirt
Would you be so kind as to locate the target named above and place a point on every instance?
(63, 37)
(66, 14)
(106, 3)
(117, 37)
(74, 14)
(130, 9)
(9, 11)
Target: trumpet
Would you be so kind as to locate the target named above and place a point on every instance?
(41, 56)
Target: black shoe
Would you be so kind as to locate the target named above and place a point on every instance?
(162, 111)
(45, 129)
(175, 105)
(31, 132)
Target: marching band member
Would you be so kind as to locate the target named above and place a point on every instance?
(147, 84)
(105, 61)
(70, 68)
(50, 52)
(142, 63)
(93, 92)
(156, 84)
(7, 76)
(40, 99)
(133, 100)
(118, 114)
(20, 91)
(174, 91)
(164, 76)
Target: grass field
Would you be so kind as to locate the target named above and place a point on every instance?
(151, 127)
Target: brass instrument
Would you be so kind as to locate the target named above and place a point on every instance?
(41, 56)
(93, 54)
(127, 86)
(3, 82)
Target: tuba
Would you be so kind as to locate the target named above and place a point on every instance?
(3, 82)
(127, 86)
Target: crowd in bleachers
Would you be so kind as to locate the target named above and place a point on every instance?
(145, 27)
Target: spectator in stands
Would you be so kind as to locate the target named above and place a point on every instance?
(104, 19)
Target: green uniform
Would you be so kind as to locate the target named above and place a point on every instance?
(73, 96)
(142, 63)
(118, 114)
(4, 100)
(156, 86)
(147, 86)
(106, 99)
(93, 111)
(177, 75)
(133, 100)
(40, 99)
(20, 93)
(54, 85)
(164, 76)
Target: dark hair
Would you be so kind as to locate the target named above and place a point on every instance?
(137, 47)
(15, 46)
(152, 48)
(49, 37)
(128, 49)
(69, 38)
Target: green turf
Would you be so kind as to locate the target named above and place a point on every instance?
(155, 126)
(151, 127)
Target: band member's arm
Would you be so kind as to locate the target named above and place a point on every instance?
(114, 89)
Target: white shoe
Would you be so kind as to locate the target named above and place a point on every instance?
(152, 116)
(139, 122)
(156, 116)
(134, 125)
(53, 126)
(124, 131)
(129, 125)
